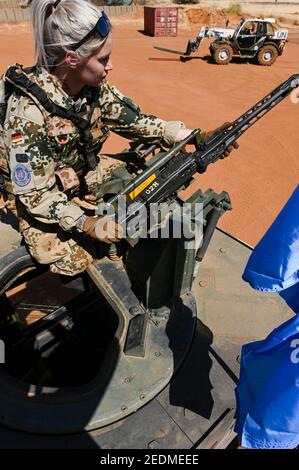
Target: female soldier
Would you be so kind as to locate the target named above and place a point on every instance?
(59, 114)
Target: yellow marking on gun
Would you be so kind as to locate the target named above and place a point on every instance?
(133, 194)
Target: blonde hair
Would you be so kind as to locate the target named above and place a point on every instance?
(58, 25)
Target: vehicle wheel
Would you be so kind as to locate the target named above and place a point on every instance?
(16, 268)
(223, 54)
(267, 55)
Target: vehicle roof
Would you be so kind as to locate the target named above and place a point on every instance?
(262, 20)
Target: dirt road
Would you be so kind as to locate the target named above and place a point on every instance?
(261, 175)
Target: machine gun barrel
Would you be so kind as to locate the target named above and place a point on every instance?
(174, 170)
(211, 150)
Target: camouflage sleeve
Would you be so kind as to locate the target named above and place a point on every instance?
(32, 166)
(122, 116)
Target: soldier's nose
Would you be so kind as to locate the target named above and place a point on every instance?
(109, 66)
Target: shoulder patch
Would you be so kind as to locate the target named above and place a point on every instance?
(21, 176)
(21, 171)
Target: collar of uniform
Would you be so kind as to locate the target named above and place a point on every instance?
(52, 86)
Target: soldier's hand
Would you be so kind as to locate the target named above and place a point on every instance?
(229, 149)
(103, 229)
(206, 135)
(203, 136)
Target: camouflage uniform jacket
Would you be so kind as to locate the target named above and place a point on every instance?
(38, 143)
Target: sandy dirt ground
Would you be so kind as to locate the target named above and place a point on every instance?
(261, 175)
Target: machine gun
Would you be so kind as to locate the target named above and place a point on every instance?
(169, 172)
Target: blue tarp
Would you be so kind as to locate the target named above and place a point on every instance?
(268, 390)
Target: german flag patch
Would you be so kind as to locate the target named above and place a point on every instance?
(17, 138)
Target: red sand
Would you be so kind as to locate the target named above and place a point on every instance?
(261, 175)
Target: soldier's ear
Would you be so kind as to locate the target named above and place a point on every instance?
(71, 59)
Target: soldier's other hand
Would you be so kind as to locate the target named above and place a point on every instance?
(229, 149)
(206, 135)
(103, 229)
